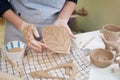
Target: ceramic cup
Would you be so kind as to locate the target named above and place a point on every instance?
(101, 57)
(111, 32)
(15, 50)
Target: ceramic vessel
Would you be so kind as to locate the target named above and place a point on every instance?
(101, 57)
(111, 32)
(17, 50)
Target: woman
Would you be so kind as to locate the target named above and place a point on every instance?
(25, 18)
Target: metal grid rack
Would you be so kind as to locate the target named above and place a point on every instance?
(45, 60)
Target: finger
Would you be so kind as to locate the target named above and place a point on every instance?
(36, 43)
(43, 45)
(35, 31)
(34, 48)
(70, 32)
(42, 40)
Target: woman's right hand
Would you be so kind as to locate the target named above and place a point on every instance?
(29, 32)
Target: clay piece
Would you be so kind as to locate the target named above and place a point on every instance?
(57, 39)
(67, 66)
(101, 57)
(111, 32)
(82, 12)
(112, 70)
(111, 45)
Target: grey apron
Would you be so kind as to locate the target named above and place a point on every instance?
(38, 12)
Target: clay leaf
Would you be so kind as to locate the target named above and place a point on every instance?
(56, 38)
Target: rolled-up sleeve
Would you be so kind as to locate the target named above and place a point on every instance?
(4, 6)
(75, 1)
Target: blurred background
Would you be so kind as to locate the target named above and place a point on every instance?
(99, 13)
(92, 15)
(2, 21)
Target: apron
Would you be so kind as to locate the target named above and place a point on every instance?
(38, 12)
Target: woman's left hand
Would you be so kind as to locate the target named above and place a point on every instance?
(64, 24)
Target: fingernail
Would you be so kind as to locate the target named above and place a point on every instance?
(46, 46)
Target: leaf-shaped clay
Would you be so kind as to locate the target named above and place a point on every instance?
(56, 39)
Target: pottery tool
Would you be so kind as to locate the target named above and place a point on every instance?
(85, 44)
(14, 65)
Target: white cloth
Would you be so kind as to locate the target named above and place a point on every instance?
(38, 12)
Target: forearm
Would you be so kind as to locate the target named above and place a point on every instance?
(67, 11)
(13, 18)
(8, 14)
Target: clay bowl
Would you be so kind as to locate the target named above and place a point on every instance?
(111, 32)
(101, 57)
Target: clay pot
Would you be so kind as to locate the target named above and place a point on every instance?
(101, 57)
(111, 32)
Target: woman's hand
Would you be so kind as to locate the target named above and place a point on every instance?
(64, 16)
(29, 32)
(63, 23)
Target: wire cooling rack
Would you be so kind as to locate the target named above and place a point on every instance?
(41, 61)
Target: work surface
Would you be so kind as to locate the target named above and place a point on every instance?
(44, 62)
(110, 73)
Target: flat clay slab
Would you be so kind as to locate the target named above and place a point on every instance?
(69, 68)
(56, 39)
